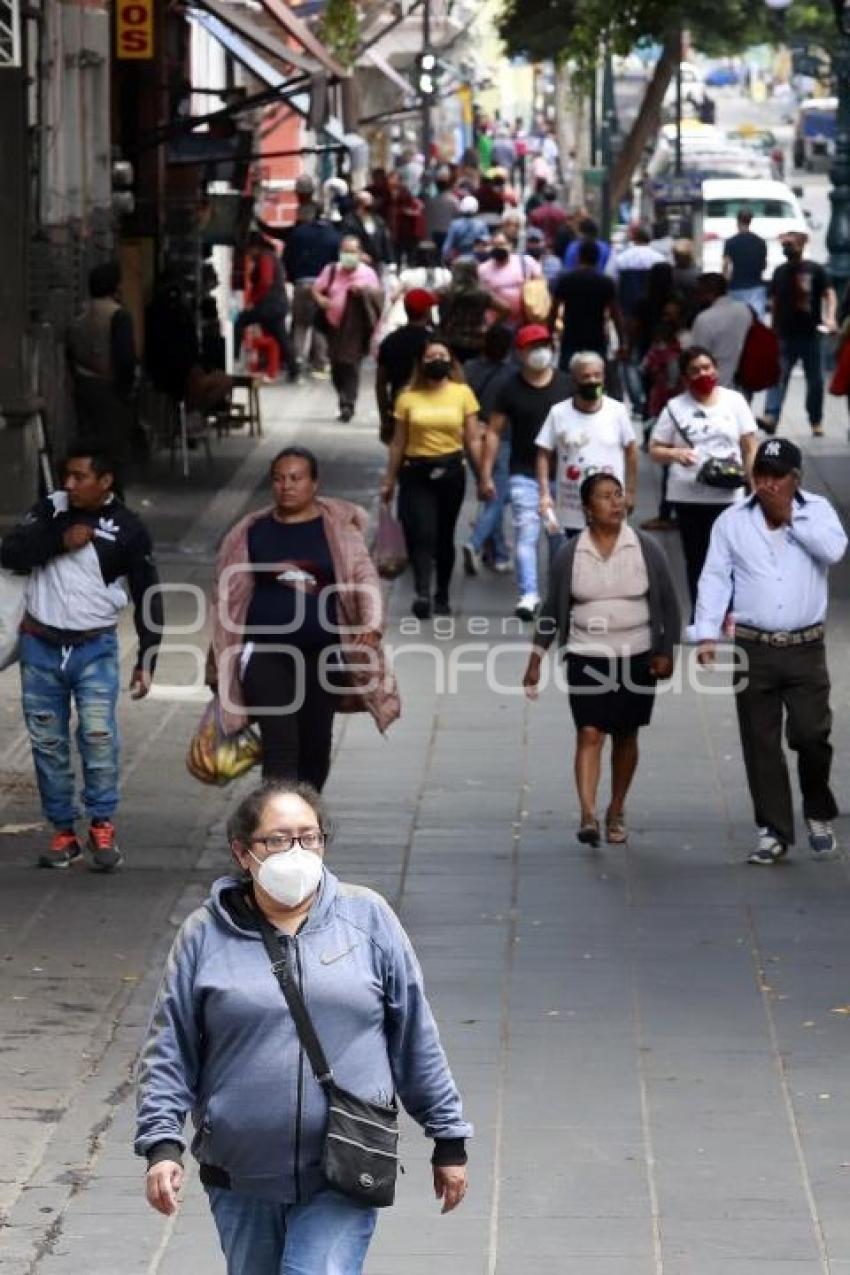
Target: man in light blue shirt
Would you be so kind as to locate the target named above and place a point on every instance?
(768, 560)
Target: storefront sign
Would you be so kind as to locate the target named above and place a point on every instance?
(134, 29)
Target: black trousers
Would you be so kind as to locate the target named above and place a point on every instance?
(792, 684)
(297, 742)
(695, 523)
(429, 502)
(346, 382)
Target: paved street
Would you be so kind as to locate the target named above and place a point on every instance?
(652, 1042)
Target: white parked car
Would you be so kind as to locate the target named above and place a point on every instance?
(775, 208)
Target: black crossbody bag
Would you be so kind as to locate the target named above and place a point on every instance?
(724, 472)
(360, 1155)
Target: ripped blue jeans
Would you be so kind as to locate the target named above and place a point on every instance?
(52, 678)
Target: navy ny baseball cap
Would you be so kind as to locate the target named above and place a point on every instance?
(779, 455)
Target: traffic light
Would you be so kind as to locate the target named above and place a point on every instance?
(427, 74)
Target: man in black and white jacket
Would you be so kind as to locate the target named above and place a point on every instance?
(87, 557)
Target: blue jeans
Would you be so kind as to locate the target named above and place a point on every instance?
(808, 350)
(756, 297)
(51, 678)
(489, 523)
(525, 505)
(327, 1236)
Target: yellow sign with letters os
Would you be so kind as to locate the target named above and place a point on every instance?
(134, 29)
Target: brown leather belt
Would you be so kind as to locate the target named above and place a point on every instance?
(780, 637)
(60, 637)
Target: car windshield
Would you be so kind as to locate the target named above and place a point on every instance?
(758, 207)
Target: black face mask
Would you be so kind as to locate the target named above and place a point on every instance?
(590, 393)
(536, 253)
(481, 255)
(437, 369)
(500, 254)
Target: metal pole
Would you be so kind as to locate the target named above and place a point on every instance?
(838, 234)
(426, 97)
(678, 168)
(594, 154)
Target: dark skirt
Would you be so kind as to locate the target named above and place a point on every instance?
(614, 694)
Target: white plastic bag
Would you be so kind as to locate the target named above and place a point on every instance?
(12, 606)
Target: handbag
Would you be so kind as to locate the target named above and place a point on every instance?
(759, 365)
(360, 1153)
(536, 297)
(390, 545)
(724, 472)
(216, 758)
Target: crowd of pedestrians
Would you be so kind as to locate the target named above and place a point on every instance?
(519, 345)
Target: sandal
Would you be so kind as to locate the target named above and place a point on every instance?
(588, 833)
(616, 833)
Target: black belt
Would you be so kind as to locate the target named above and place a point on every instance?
(780, 637)
(61, 637)
(428, 462)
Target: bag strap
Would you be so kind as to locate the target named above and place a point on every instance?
(679, 427)
(281, 964)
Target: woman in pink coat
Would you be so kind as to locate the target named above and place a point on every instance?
(297, 623)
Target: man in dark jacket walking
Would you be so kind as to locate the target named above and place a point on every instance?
(86, 556)
(102, 353)
(311, 244)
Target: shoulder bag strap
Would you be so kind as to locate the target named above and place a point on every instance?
(681, 428)
(281, 964)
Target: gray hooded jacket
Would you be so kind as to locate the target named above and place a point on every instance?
(221, 1044)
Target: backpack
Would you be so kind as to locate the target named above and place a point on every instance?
(759, 366)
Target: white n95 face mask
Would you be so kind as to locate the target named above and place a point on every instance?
(291, 876)
(540, 360)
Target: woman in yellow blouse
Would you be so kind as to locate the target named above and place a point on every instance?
(436, 417)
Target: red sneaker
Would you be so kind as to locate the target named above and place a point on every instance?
(65, 849)
(105, 855)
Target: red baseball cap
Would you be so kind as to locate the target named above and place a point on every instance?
(532, 334)
(419, 301)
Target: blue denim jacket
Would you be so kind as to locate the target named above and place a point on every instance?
(221, 1043)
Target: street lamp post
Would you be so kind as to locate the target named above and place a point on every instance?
(838, 234)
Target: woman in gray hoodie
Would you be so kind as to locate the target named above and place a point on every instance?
(222, 1046)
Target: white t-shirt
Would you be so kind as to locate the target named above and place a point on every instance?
(586, 443)
(712, 431)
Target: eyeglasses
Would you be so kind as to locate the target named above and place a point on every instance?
(279, 842)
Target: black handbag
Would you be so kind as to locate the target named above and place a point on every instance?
(360, 1155)
(724, 472)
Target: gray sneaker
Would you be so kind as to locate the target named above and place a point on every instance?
(822, 838)
(769, 849)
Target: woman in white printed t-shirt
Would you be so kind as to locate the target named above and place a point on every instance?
(592, 434)
(705, 422)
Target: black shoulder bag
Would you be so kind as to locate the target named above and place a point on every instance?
(724, 472)
(360, 1156)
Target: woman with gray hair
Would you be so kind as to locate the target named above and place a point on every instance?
(223, 1045)
(590, 433)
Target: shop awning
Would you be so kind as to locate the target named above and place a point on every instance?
(298, 30)
(386, 68)
(225, 23)
(239, 49)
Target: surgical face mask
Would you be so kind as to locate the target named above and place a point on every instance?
(436, 369)
(349, 260)
(289, 877)
(590, 392)
(539, 360)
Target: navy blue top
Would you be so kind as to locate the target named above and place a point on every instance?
(292, 593)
